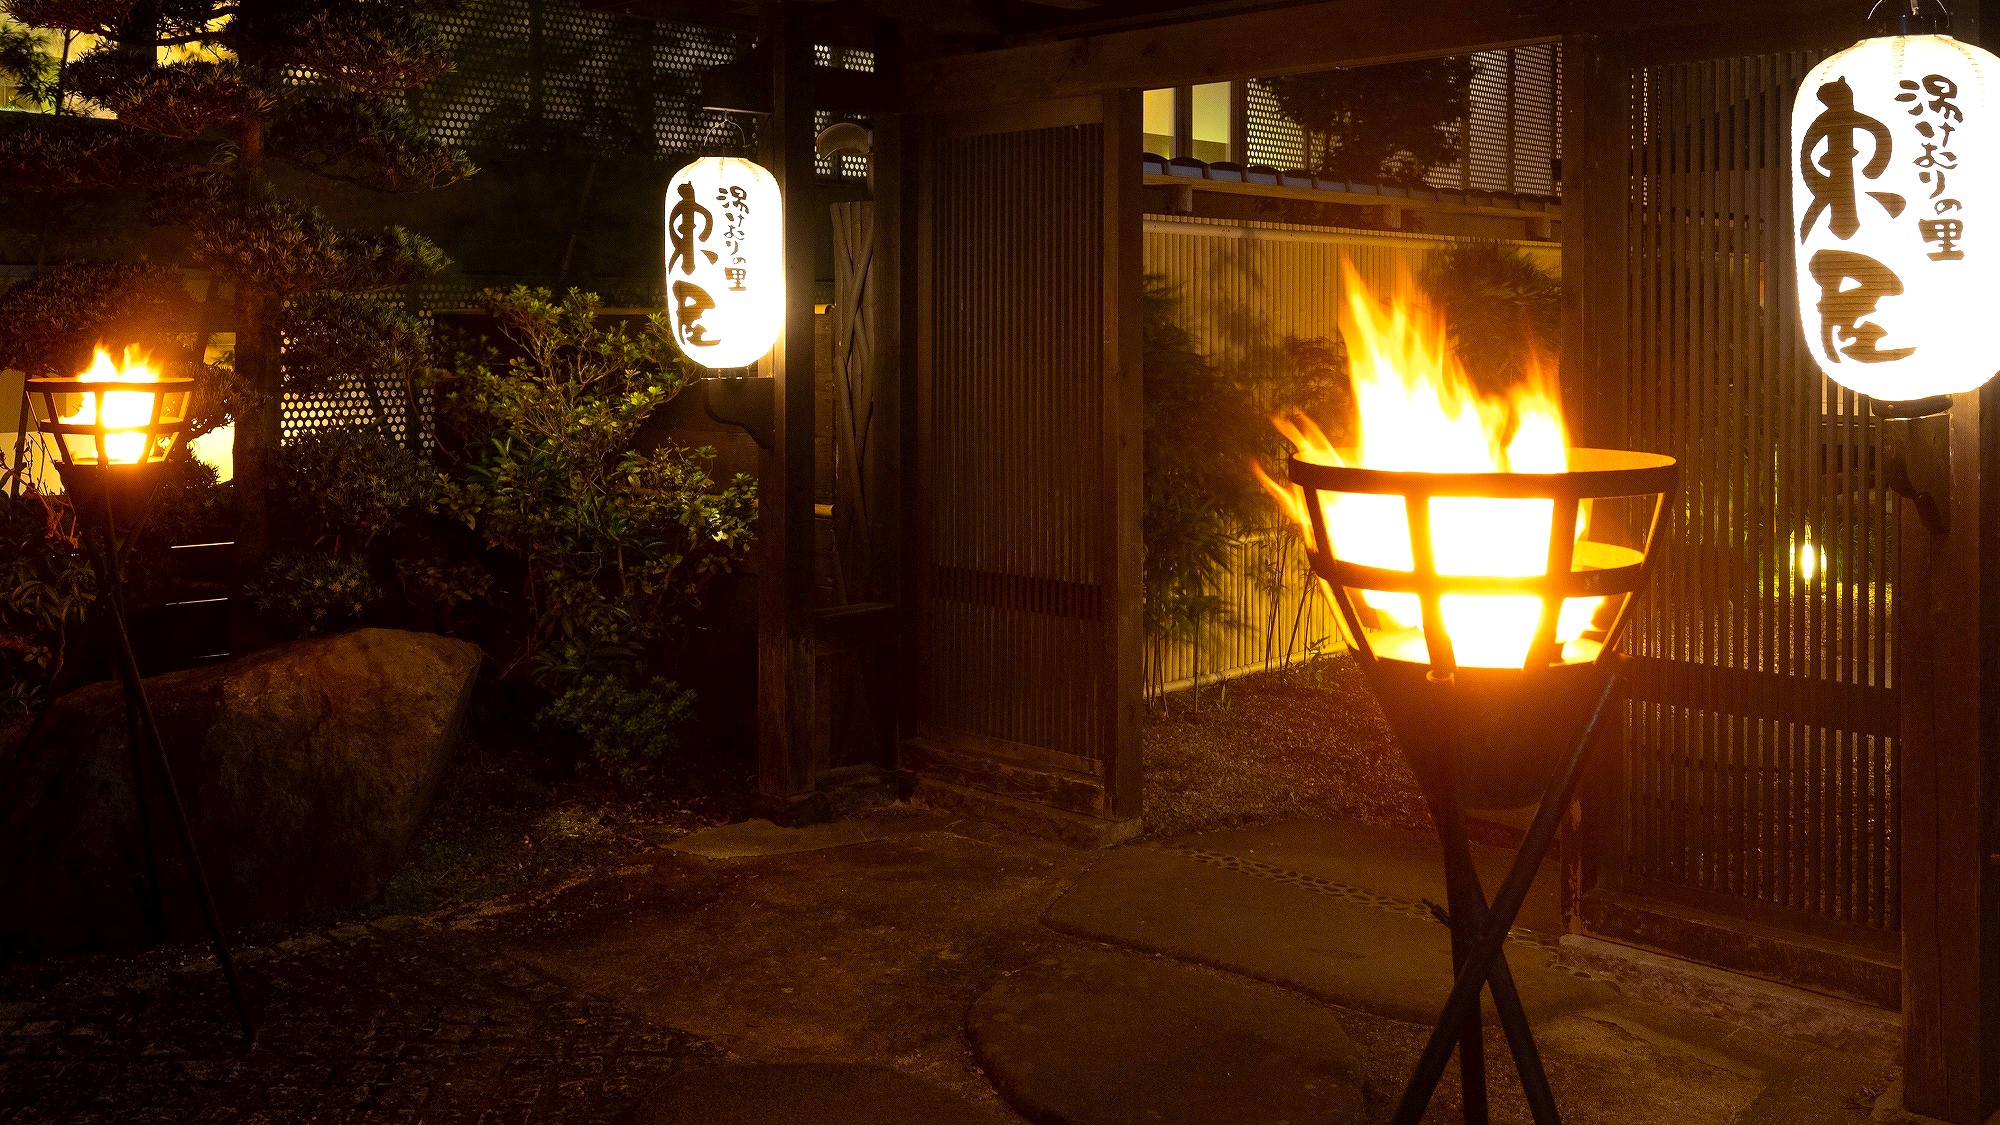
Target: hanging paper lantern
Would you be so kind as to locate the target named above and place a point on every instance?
(725, 261)
(1896, 215)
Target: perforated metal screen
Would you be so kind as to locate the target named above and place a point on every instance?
(530, 69)
(536, 75)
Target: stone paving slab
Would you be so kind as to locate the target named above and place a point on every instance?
(1341, 943)
(809, 1094)
(1095, 1036)
(1391, 861)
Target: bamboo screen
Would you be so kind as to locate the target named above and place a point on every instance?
(1015, 627)
(1761, 772)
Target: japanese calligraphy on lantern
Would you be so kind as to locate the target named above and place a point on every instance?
(725, 261)
(1896, 215)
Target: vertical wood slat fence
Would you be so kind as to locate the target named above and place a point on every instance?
(1244, 288)
(1760, 776)
(1015, 587)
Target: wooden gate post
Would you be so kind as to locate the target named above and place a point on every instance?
(1945, 634)
(785, 650)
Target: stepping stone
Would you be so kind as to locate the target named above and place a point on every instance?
(1347, 946)
(1095, 1036)
(821, 1093)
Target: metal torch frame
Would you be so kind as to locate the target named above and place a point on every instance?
(102, 493)
(1479, 927)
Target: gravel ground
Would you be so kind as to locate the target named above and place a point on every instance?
(1306, 741)
(402, 1021)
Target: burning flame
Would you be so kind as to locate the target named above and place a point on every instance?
(1419, 413)
(123, 410)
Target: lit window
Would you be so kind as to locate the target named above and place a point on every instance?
(1158, 123)
(1211, 121)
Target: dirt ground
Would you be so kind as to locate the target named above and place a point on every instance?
(1306, 741)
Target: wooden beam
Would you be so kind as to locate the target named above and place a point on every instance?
(785, 649)
(1332, 33)
(1454, 202)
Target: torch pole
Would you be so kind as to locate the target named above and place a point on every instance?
(1481, 961)
(109, 574)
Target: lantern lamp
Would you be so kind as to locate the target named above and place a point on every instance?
(1896, 212)
(725, 261)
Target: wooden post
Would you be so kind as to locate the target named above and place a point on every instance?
(1124, 449)
(1944, 623)
(785, 650)
(1596, 143)
(1950, 851)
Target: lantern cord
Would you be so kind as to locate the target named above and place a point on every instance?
(728, 119)
(1915, 8)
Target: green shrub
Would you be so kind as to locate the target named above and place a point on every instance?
(312, 594)
(46, 587)
(597, 551)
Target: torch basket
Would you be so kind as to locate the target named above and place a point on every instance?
(1504, 712)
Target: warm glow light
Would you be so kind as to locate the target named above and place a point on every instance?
(1894, 189)
(1418, 412)
(1808, 560)
(725, 261)
(123, 410)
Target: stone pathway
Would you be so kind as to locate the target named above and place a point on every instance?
(402, 1022)
(907, 968)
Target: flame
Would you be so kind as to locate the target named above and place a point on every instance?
(1419, 413)
(123, 410)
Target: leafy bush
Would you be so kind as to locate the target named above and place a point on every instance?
(308, 595)
(46, 587)
(1502, 311)
(598, 550)
(536, 527)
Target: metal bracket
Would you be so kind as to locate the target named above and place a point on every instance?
(1917, 456)
(746, 404)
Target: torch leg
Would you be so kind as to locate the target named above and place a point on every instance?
(135, 696)
(1472, 1031)
(1460, 880)
(150, 898)
(1469, 915)
(1485, 952)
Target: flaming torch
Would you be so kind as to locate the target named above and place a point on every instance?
(111, 429)
(1484, 569)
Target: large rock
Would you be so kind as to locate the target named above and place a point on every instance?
(305, 770)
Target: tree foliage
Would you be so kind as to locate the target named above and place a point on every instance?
(1205, 426)
(1502, 311)
(538, 527)
(191, 104)
(1387, 124)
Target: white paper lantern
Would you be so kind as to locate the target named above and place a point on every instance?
(725, 261)
(1896, 216)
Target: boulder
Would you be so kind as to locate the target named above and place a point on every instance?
(305, 769)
